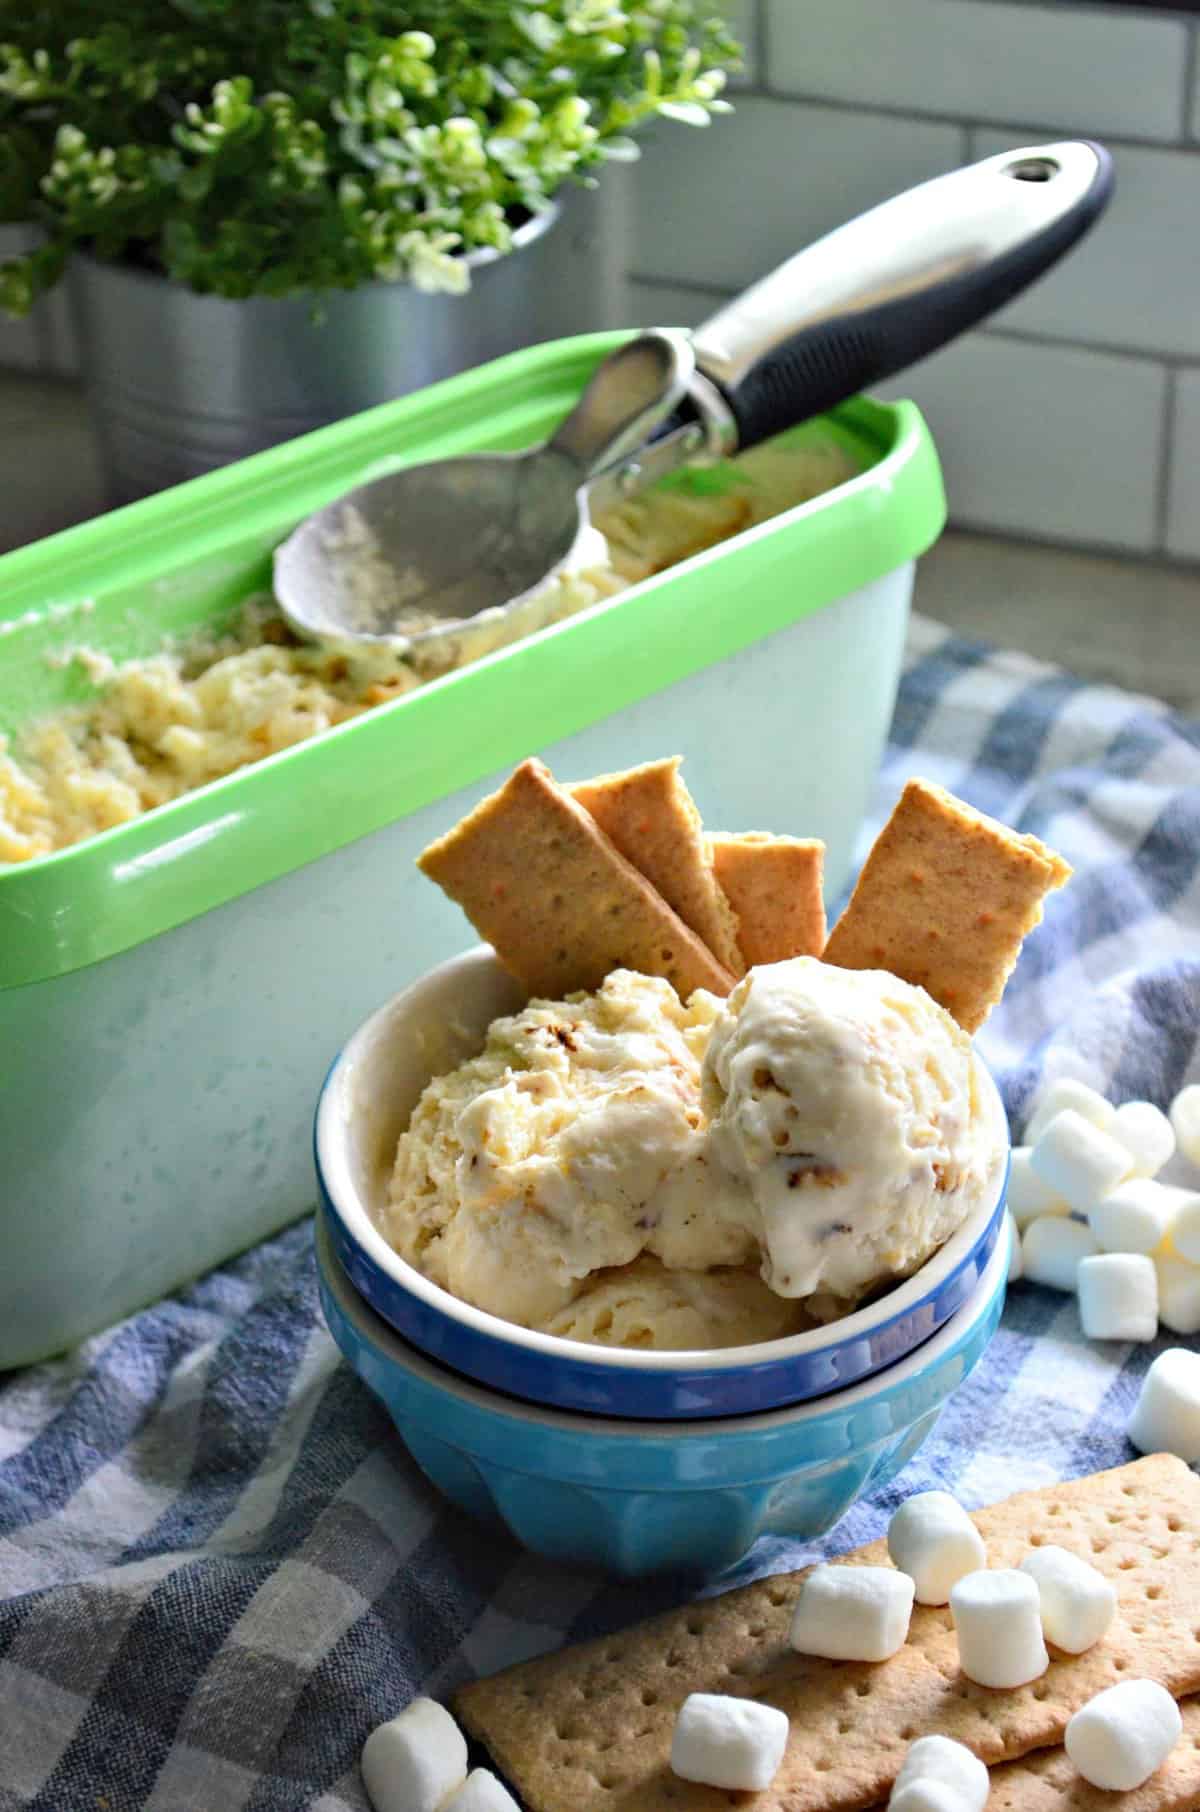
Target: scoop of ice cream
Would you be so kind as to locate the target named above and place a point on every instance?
(646, 1305)
(848, 1104)
(573, 1143)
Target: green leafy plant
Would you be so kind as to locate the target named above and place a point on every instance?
(266, 147)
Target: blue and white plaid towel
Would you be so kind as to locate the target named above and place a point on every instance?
(219, 1569)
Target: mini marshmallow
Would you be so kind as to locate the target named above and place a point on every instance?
(852, 1613)
(1066, 1092)
(1135, 1217)
(925, 1795)
(1184, 1114)
(934, 1541)
(1078, 1603)
(1178, 1294)
(1118, 1296)
(1166, 1418)
(1120, 1737)
(1185, 1229)
(737, 1744)
(1016, 1268)
(998, 1616)
(412, 1762)
(481, 1792)
(1146, 1134)
(1078, 1161)
(1052, 1250)
(1028, 1196)
(939, 1761)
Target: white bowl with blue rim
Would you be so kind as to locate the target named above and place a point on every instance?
(634, 1497)
(365, 1104)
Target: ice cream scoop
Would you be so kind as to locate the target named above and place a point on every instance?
(849, 1105)
(481, 533)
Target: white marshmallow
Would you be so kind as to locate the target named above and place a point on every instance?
(1078, 1603)
(1135, 1217)
(852, 1613)
(1120, 1737)
(1118, 1296)
(481, 1792)
(1185, 1118)
(998, 1617)
(1066, 1092)
(1185, 1229)
(1028, 1196)
(412, 1762)
(939, 1761)
(737, 1744)
(1166, 1418)
(934, 1541)
(1146, 1134)
(1052, 1250)
(926, 1795)
(1178, 1294)
(1016, 1268)
(1078, 1161)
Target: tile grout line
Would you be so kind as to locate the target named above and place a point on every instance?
(762, 45)
(1189, 82)
(1024, 336)
(1134, 355)
(767, 91)
(1174, 566)
(1166, 460)
(1161, 13)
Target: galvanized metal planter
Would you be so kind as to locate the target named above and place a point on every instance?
(180, 383)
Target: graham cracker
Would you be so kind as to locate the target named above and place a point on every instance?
(944, 899)
(560, 905)
(774, 885)
(1049, 1782)
(651, 817)
(589, 1729)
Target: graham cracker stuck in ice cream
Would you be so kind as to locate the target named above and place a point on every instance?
(555, 898)
(589, 1729)
(652, 818)
(774, 886)
(944, 900)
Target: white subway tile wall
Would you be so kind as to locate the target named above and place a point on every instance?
(1075, 415)
(654, 304)
(736, 197)
(1068, 66)
(1058, 442)
(1135, 280)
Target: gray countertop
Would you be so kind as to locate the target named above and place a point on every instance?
(1130, 622)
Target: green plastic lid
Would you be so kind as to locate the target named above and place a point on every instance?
(189, 556)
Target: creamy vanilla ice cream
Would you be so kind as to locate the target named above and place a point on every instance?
(647, 1305)
(570, 1146)
(849, 1105)
(623, 1168)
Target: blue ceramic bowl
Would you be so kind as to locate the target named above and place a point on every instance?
(644, 1497)
(365, 1104)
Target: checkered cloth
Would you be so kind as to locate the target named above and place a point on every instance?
(218, 1567)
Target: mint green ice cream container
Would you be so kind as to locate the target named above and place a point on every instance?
(173, 990)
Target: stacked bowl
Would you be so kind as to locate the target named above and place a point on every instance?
(633, 1461)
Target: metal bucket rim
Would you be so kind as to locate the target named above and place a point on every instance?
(114, 269)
